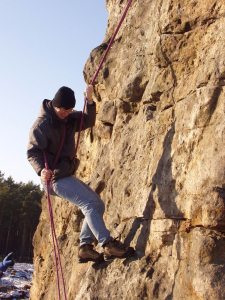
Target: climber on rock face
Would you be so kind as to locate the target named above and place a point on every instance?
(7, 262)
(45, 137)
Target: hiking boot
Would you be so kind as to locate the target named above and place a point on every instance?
(115, 249)
(87, 253)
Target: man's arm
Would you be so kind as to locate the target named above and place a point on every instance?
(89, 116)
(37, 143)
(90, 111)
(89, 94)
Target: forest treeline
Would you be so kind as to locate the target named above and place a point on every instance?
(20, 208)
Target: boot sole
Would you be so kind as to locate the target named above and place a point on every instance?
(130, 252)
(85, 260)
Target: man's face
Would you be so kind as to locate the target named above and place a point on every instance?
(62, 113)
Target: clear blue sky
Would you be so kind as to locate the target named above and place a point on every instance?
(44, 45)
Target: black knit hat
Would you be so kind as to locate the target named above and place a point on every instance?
(64, 98)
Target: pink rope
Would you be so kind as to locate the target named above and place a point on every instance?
(60, 148)
(96, 73)
(54, 238)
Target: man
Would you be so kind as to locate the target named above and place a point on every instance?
(7, 262)
(46, 135)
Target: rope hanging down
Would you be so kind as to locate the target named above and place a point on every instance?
(100, 65)
(54, 241)
(54, 238)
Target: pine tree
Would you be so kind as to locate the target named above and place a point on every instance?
(20, 208)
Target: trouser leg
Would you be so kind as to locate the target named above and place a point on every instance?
(77, 192)
(86, 235)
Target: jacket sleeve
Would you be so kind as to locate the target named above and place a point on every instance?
(37, 143)
(89, 117)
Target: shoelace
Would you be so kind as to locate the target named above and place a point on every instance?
(91, 247)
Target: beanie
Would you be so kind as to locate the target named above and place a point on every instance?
(64, 98)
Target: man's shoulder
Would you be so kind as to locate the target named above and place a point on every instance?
(42, 123)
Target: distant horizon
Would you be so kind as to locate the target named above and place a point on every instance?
(17, 182)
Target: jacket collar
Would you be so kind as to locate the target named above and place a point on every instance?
(47, 111)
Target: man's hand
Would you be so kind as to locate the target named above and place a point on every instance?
(46, 174)
(89, 93)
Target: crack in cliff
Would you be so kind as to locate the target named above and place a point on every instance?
(177, 27)
(169, 63)
(167, 107)
(183, 224)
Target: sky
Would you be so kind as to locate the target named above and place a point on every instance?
(44, 45)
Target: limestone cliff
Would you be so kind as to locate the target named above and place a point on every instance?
(156, 157)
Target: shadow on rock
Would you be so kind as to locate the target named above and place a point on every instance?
(101, 266)
(163, 189)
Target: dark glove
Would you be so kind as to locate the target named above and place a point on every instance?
(7, 262)
(1, 274)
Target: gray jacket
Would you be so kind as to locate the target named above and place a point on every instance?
(46, 134)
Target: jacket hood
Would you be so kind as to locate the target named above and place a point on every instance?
(47, 111)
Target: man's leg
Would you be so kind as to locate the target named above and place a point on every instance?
(112, 248)
(86, 235)
(75, 191)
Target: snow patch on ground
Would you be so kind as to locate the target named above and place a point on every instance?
(16, 282)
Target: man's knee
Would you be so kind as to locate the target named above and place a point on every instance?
(96, 204)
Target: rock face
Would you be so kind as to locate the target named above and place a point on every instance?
(156, 157)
